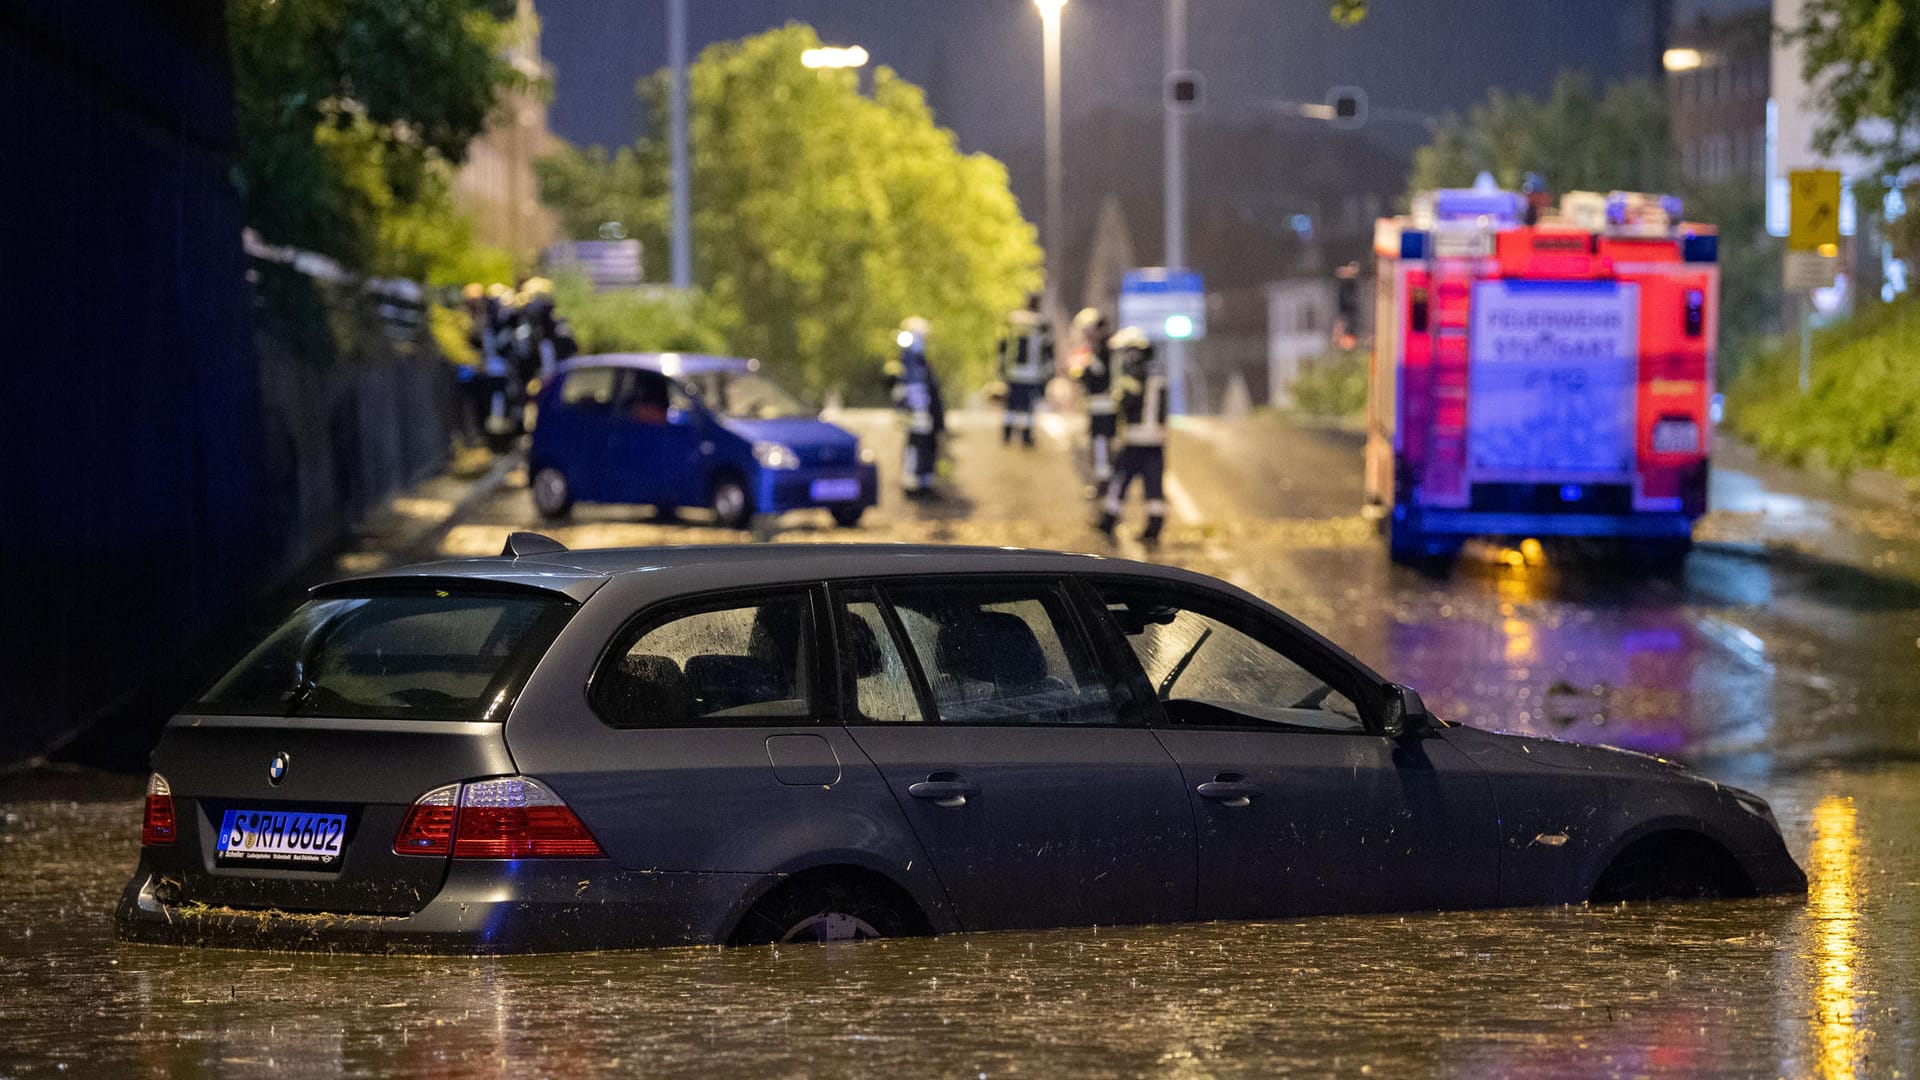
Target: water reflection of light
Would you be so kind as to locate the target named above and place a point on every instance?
(1834, 898)
(1520, 646)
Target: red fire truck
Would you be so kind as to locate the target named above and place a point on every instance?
(1541, 371)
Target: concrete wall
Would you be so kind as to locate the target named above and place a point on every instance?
(158, 478)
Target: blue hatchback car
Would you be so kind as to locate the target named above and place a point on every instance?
(674, 430)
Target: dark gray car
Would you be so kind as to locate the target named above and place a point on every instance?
(559, 749)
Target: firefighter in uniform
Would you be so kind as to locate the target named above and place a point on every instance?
(1096, 378)
(1140, 391)
(1026, 362)
(916, 393)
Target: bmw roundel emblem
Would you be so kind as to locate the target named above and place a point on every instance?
(277, 769)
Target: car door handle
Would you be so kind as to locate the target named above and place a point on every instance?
(943, 792)
(1229, 792)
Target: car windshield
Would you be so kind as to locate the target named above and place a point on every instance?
(434, 655)
(744, 395)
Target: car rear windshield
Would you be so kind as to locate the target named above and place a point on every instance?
(437, 654)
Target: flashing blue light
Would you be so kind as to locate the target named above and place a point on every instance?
(1571, 492)
(1179, 326)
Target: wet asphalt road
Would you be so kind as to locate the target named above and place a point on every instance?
(1782, 658)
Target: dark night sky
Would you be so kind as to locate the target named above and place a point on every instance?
(980, 59)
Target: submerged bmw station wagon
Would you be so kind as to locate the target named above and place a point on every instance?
(560, 750)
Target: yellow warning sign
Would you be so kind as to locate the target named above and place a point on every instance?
(1813, 210)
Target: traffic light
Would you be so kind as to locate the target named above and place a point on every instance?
(1349, 105)
(1183, 90)
(1346, 294)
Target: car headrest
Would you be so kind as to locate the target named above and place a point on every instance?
(993, 646)
(648, 690)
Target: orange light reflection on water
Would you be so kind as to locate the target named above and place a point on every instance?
(1833, 901)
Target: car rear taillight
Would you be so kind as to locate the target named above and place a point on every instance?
(158, 828)
(428, 827)
(508, 817)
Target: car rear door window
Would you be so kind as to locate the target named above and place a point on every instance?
(1004, 654)
(875, 683)
(1208, 671)
(732, 662)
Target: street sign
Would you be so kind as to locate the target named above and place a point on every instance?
(609, 264)
(1184, 90)
(1166, 305)
(1804, 271)
(1813, 214)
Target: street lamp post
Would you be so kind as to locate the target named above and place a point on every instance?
(1050, 43)
(682, 247)
(1176, 191)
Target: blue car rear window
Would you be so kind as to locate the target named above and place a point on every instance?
(435, 654)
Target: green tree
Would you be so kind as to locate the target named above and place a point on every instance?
(1862, 60)
(589, 188)
(351, 116)
(821, 216)
(1574, 139)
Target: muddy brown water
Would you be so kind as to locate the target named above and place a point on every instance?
(1783, 659)
(1824, 986)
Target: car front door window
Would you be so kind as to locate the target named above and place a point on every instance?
(1208, 672)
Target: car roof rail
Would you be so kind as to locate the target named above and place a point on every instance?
(521, 544)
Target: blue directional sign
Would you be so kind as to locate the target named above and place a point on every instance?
(1167, 305)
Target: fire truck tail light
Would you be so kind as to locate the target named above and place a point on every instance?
(1696, 312)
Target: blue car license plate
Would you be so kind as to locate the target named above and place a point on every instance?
(293, 839)
(841, 489)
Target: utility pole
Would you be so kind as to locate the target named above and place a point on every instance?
(1176, 190)
(1050, 37)
(682, 254)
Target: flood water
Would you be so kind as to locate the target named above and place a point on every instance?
(1824, 986)
(1782, 663)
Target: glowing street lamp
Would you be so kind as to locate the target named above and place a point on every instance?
(1681, 59)
(832, 56)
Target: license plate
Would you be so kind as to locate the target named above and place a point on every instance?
(845, 489)
(280, 838)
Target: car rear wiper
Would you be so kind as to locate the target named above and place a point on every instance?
(1179, 669)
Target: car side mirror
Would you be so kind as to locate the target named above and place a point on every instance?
(1404, 712)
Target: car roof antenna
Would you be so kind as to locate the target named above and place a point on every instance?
(530, 543)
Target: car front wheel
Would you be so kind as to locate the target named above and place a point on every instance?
(552, 495)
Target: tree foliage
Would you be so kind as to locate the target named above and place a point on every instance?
(351, 116)
(1861, 58)
(821, 215)
(589, 189)
(1575, 139)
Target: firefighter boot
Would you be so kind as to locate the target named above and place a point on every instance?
(1151, 535)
